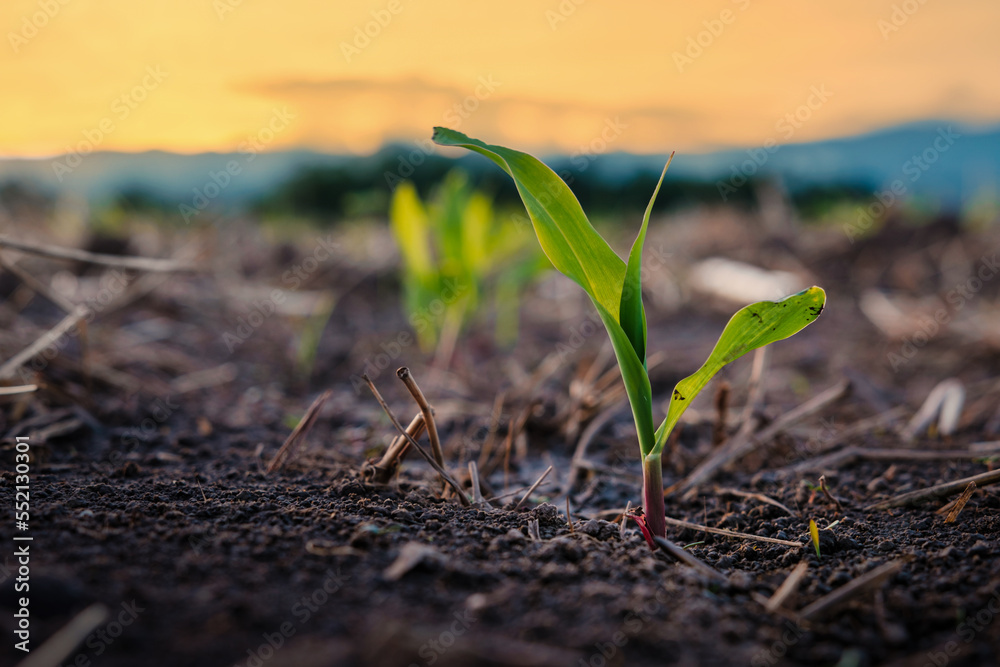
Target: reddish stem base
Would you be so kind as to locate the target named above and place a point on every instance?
(652, 498)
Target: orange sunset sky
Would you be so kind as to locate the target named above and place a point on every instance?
(202, 75)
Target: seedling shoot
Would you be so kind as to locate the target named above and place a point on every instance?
(578, 251)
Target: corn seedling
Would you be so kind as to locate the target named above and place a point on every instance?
(452, 246)
(814, 534)
(576, 249)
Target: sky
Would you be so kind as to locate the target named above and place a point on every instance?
(546, 75)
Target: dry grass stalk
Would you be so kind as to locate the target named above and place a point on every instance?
(477, 494)
(389, 463)
(755, 496)
(589, 433)
(852, 454)
(495, 415)
(116, 261)
(38, 286)
(48, 338)
(944, 402)
(848, 591)
(826, 492)
(742, 443)
(418, 396)
(59, 646)
(939, 491)
(960, 503)
(730, 533)
(299, 433)
(534, 530)
(18, 390)
(532, 488)
(413, 443)
(688, 559)
(788, 588)
(624, 520)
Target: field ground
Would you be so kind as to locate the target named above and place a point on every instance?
(149, 489)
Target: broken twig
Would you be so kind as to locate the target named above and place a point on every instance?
(48, 338)
(939, 491)
(389, 463)
(533, 487)
(788, 587)
(850, 590)
(739, 445)
(299, 433)
(944, 402)
(730, 533)
(413, 443)
(755, 496)
(418, 396)
(59, 646)
(690, 560)
(117, 261)
(960, 503)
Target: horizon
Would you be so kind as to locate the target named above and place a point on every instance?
(915, 125)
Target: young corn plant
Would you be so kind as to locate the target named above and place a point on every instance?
(576, 249)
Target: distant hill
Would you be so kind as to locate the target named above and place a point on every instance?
(968, 165)
(964, 162)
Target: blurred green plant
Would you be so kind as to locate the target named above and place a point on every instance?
(457, 252)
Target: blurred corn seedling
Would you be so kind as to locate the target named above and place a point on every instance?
(458, 255)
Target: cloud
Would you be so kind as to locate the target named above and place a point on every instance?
(359, 114)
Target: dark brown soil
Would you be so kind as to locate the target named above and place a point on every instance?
(157, 504)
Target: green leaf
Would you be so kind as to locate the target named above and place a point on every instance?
(568, 239)
(576, 249)
(637, 387)
(447, 213)
(754, 326)
(814, 534)
(411, 228)
(477, 222)
(631, 313)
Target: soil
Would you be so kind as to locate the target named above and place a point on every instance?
(155, 502)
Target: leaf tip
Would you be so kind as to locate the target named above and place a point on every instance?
(814, 534)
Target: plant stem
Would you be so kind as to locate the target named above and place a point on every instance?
(652, 495)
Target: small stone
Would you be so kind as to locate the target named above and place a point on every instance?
(981, 548)
(547, 513)
(602, 530)
(877, 484)
(946, 553)
(403, 516)
(410, 556)
(514, 535)
(511, 538)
